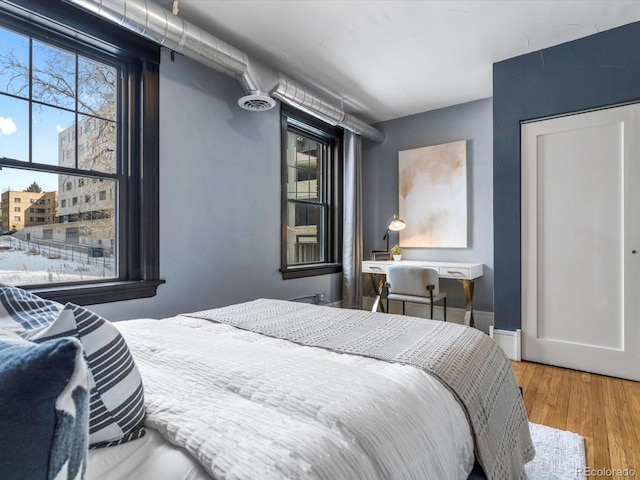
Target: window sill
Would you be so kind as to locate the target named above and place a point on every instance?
(99, 292)
(310, 270)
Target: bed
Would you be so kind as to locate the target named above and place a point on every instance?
(272, 389)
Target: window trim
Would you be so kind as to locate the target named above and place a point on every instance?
(332, 182)
(85, 34)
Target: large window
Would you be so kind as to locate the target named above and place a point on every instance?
(79, 132)
(311, 196)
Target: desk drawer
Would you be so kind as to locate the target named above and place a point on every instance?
(372, 267)
(454, 272)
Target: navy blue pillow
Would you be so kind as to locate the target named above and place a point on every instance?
(44, 408)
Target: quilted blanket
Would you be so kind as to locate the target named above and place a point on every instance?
(468, 362)
(247, 406)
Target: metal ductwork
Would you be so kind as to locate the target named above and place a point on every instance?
(296, 95)
(161, 26)
(153, 22)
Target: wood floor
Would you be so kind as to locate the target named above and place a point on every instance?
(604, 410)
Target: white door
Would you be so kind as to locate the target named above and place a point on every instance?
(581, 241)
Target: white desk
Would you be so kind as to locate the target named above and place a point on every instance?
(465, 273)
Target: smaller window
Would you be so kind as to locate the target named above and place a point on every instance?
(17, 200)
(311, 175)
(80, 180)
(102, 195)
(69, 186)
(16, 209)
(75, 200)
(63, 203)
(17, 218)
(87, 199)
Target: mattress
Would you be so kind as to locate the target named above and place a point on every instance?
(148, 458)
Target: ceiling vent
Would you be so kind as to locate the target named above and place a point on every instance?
(257, 102)
(152, 21)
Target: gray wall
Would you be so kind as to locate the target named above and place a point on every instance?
(219, 200)
(470, 121)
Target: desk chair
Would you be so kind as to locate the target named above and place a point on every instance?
(411, 283)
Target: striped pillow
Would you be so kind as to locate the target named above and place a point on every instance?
(21, 311)
(116, 397)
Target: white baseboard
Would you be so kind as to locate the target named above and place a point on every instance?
(509, 341)
(483, 320)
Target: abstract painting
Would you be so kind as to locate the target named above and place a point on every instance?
(432, 186)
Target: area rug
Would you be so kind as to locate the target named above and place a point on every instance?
(559, 454)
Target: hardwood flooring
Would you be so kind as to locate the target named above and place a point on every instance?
(604, 410)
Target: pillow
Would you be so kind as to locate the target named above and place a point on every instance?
(21, 311)
(44, 409)
(116, 394)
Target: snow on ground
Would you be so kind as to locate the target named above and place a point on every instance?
(19, 266)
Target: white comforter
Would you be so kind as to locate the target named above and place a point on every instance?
(250, 407)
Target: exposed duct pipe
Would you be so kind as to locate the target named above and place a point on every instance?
(297, 96)
(153, 22)
(159, 25)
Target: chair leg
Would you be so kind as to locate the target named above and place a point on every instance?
(403, 307)
(445, 309)
(431, 310)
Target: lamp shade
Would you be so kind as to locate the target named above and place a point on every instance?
(397, 224)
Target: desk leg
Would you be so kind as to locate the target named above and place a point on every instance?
(467, 286)
(377, 288)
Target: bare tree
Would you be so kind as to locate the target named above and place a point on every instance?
(63, 81)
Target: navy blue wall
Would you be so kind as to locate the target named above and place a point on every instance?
(593, 72)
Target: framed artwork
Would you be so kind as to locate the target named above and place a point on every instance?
(432, 187)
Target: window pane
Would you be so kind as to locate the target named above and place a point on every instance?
(14, 63)
(54, 75)
(304, 231)
(96, 144)
(303, 167)
(97, 89)
(54, 136)
(14, 128)
(57, 239)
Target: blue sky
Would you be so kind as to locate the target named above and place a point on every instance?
(14, 125)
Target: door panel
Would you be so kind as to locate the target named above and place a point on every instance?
(580, 306)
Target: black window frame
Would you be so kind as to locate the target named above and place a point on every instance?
(331, 181)
(72, 28)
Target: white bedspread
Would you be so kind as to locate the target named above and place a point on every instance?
(250, 407)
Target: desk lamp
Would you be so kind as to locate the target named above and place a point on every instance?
(396, 225)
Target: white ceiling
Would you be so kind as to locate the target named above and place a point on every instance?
(388, 59)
